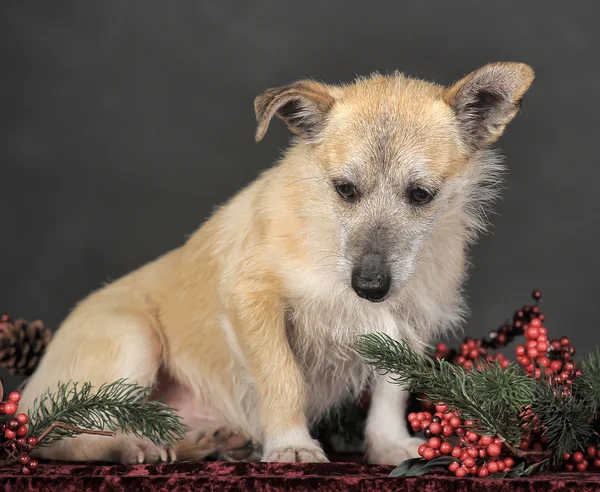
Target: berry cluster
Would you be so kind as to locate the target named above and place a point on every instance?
(482, 456)
(476, 454)
(14, 442)
(581, 461)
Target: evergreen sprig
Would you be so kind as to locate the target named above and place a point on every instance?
(495, 398)
(589, 382)
(117, 406)
(491, 396)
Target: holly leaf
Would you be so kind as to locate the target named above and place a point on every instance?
(415, 467)
(403, 467)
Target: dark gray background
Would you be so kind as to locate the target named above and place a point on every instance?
(124, 122)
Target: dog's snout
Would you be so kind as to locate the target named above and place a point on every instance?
(371, 278)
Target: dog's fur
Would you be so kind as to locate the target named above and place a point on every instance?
(250, 324)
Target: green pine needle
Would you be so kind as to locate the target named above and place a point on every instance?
(117, 406)
(589, 383)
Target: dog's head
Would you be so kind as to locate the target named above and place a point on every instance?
(394, 158)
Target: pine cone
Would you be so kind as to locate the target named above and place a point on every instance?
(22, 345)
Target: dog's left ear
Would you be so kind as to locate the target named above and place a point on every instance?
(486, 100)
(303, 106)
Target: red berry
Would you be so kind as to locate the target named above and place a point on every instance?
(582, 466)
(22, 431)
(542, 347)
(24, 459)
(535, 323)
(454, 466)
(33, 441)
(597, 463)
(509, 462)
(564, 341)
(577, 457)
(520, 350)
(10, 408)
(569, 467)
(15, 396)
(494, 449)
(532, 332)
(473, 452)
(447, 431)
(486, 440)
(456, 452)
(421, 449)
(556, 365)
(421, 416)
(416, 425)
(435, 428)
(469, 462)
(428, 453)
(529, 368)
(492, 466)
(440, 407)
(13, 424)
(468, 423)
(544, 362)
(425, 423)
(483, 472)
(591, 451)
(455, 422)
(482, 453)
(22, 418)
(434, 442)
(446, 447)
(10, 434)
(25, 470)
(532, 353)
(472, 436)
(21, 442)
(33, 464)
(412, 416)
(461, 472)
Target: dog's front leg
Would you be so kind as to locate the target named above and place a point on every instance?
(279, 382)
(387, 437)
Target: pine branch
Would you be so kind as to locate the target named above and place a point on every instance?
(491, 396)
(115, 406)
(567, 419)
(588, 385)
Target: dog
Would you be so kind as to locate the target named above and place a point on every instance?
(248, 329)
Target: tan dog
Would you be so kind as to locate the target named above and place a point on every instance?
(362, 226)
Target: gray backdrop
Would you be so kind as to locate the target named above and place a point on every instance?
(124, 122)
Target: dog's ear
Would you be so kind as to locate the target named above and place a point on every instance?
(303, 106)
(486, 100)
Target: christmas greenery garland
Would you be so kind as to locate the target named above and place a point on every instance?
(493, 416)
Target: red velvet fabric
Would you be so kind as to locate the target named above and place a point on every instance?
(268, 477)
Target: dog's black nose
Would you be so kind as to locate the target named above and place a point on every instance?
(371, 279)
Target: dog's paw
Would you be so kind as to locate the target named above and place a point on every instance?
(134, 451)
(394, 453)
(296, 455)
(227, 444)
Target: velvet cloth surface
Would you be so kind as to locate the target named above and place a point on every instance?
(216, 476)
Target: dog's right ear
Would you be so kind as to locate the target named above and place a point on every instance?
(302, 105)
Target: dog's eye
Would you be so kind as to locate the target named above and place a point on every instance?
(346, 190)
(420, 195)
